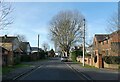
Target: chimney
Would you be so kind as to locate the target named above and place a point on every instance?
(5, 36)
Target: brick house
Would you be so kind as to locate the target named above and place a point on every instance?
(11, 44)
(105, 45)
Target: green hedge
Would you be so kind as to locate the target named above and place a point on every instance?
(73, 55)
(112, 59)
(76, 53)
(17, 60)
(25, 58)
(42, 54)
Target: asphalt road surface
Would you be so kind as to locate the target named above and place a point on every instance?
(53, 69)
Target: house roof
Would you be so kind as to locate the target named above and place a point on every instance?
(8, 39)
(101, 37)
(115, 33)
(2, 49)
(23, 45)
(35, 48)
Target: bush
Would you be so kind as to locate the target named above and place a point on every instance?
(25, 58)
(42, 54)
(112, 59)
(87, 54)
(16, 60)
(73, 55)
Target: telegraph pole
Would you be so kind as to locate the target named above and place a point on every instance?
(38, 44)
(84, 43)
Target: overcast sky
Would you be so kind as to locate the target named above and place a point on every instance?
(32, 18)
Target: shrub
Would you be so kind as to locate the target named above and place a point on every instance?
(25, 58)
(112, 59)
(42, 54)
(16, 60)
(87, 54)
(73, 55)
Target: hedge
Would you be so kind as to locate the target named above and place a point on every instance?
(112, 59)
(76, 53)
(25, 58)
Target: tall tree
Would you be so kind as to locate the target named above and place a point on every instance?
(21, 38)
(66, 29)
(45, 46)
(5, 11)
(113, 23)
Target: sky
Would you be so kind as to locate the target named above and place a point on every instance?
(32, 18)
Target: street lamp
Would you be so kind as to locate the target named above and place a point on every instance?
(84, 42)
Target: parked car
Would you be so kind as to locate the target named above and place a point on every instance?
(64, 59)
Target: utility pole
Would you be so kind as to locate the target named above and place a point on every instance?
(84, 43)
(38, 44)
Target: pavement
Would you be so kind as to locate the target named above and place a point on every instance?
(95, 73)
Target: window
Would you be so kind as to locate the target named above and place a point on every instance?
(115, 47)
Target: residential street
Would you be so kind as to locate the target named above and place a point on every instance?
(54, 69)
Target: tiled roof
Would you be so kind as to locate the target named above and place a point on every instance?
(101, 37)
(23, 46)
(8, 39)
(115, 33)
(2, 49)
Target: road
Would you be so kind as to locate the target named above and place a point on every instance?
(53, 69)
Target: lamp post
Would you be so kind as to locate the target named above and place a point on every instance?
(84, 42)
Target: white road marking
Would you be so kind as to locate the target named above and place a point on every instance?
(21, 78)
(78, 72)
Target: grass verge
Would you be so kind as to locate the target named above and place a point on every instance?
(8, 69)
(86, 66)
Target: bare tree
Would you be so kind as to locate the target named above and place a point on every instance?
(21, 38)
(113, 23)
(5, 11)
(45, 46)
(67, 29)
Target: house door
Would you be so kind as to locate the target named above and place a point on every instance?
(100, 60)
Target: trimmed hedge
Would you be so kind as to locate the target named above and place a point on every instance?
(73, 56)
(112, 59)
(76, 53)
(16, 58)
(25, 58)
